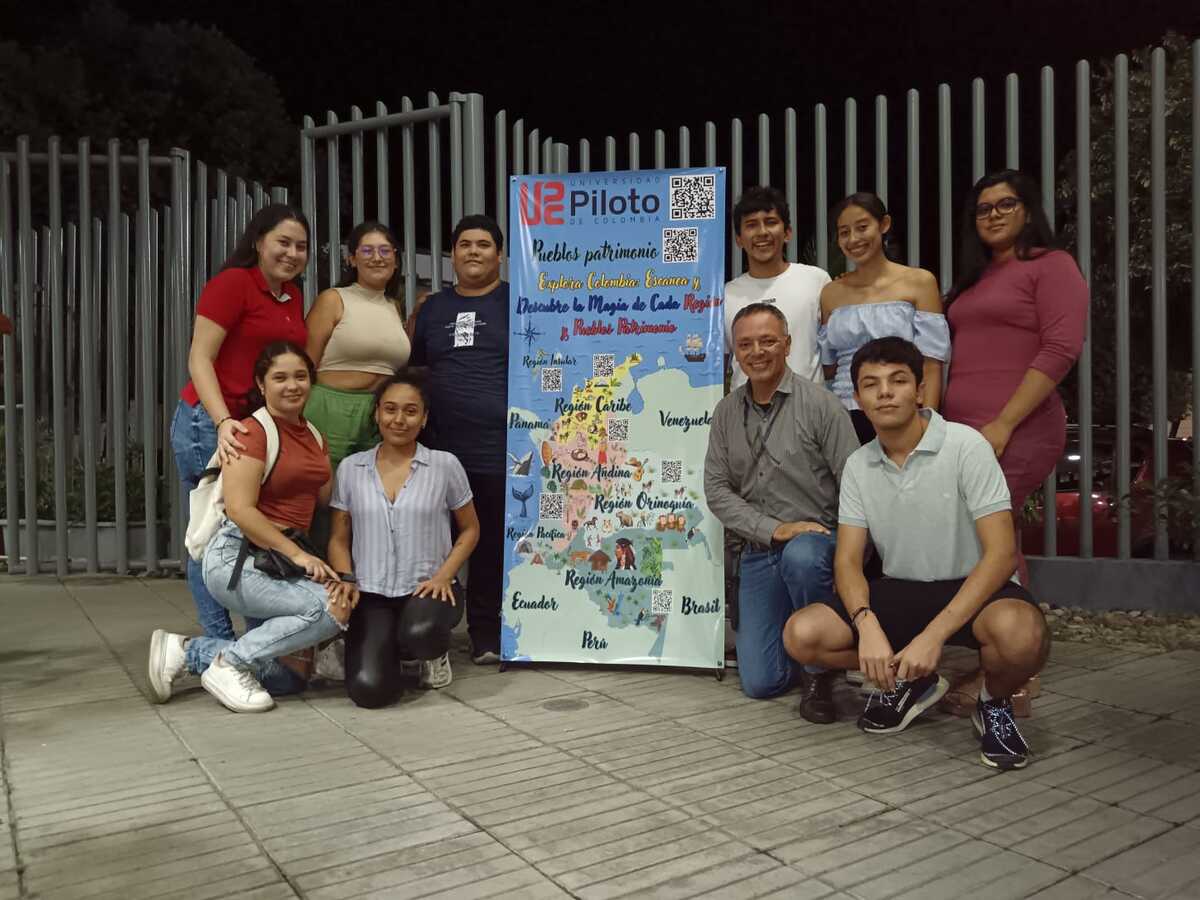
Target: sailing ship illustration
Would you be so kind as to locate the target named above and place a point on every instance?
(693, 348)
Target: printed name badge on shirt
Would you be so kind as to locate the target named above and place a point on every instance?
(464, 330)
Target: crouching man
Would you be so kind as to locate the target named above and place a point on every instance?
(932, 497)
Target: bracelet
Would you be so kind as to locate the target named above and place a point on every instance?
(854, 618)
(223, 421)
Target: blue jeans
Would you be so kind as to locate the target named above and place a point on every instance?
(293, 614)
(194, 441)
(775, 584)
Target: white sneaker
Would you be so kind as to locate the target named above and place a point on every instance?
(435, 673)
(330, 662)
(167, 662)
(237, 689)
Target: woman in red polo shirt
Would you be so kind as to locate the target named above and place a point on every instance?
(253, 301)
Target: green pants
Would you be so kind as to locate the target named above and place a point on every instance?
(345, 418)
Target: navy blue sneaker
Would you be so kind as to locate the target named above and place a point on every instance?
(888, 712)
(1000, 743)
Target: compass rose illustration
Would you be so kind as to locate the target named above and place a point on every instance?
(530, 334)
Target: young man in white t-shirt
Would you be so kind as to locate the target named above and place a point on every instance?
(762, 227)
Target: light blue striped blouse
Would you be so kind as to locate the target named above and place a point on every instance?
(398, 544)
(849, 327)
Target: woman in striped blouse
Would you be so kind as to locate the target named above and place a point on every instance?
(391, 516)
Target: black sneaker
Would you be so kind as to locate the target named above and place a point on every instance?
(1000, 743)
(887, 712)
(816, 698)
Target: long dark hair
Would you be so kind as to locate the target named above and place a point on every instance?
(350, 273)
(245, 251)
(262, 365)
(873, 206)
(1035, 238)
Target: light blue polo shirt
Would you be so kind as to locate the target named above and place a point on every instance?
(922, 515)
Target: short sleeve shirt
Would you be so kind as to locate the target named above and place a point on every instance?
(922, 516)
(240, 301)
(397, 544)
(289, 495)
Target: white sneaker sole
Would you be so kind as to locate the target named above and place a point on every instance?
(928, 699)
(158, 650)
(231, 703)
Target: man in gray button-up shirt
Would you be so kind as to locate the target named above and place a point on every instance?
(776, 450)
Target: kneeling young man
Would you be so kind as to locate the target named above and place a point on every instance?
(932, 497)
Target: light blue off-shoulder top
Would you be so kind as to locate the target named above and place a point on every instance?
(849, 327)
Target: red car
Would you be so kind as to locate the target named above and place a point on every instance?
(1104, 499)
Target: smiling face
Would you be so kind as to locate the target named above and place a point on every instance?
(286, 386)
(761, 346)
(282, 252)
(860, 234)
(476, 259)
(1004, 222)
(764, 237)
(374, 260)
(400, 415)
(889, 394)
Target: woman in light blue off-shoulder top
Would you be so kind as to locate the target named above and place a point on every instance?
(880, 298)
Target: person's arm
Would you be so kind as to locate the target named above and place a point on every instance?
(324, 316)
(723, 499)
(928, 299)
(874, 649)
(439, 585)
(207, 338)
(340, 540)
(1061, 298)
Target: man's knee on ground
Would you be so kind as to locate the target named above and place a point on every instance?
(1016, 631)
(760, 686)
(808, 551)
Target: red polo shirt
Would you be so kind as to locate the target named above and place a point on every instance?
(240, 302)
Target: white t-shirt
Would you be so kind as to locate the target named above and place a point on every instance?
(796, 291)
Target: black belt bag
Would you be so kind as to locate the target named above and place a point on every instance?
(273, 563)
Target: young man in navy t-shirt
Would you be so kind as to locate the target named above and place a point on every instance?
(461, 334)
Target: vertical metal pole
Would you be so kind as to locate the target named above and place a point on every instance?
(357, 203)
(1012, 123)
(308, 203)
(25, 265)
(260, 196)
(685, 147)
(12, 530)
(118, 264)
(610, 154)
(562, 158)
(789, 177)
(945, 213)
(435, 198)
(474, 163)
(456, 159)
(383, 211)
(635, 154)
(913, 177)
(660, 149)
(199, 273)
(881, 148)
(821, 194)
(710, 144)
(1083, 216)
(764, 148)
(736, 186)
(1195, 283)
(518, 147)
(547, 156)
(334, 203)
(243, 208)
(534, 153)
(500, 179)
(585, 155)
(1158, 286)
(220, 241)
(279, 194)
(409, 201)
(1050, 485)
(54, 254)
(147, 307)
(851, 145)
(978, 156)
(1121, 272)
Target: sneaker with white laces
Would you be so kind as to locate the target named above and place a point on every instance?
(435, 673)
(888, 712)
(167, 662)
(1001, 745)
(237, 689)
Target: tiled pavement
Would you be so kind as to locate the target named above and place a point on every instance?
(566, 781)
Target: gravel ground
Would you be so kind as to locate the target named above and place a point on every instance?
(1129, 629)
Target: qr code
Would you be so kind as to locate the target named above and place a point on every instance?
(680, 245)
(618, 429)
(672, 471)
(693, 197)
(551, 506)
(661, 601)
(551, 379)
(602, 365)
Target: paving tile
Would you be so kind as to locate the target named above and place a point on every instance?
(1165, 866)
(1079, 887)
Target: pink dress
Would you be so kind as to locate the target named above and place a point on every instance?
(1020, 315)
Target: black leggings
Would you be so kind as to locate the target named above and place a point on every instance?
(385, 630)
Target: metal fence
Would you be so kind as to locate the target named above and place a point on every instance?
(70, 285)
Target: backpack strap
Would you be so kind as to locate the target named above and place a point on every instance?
(316, 433)
(272, 432)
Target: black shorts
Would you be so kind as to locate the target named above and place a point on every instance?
(904, 608)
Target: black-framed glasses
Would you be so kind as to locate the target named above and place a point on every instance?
(383, 251)
(1005, 207)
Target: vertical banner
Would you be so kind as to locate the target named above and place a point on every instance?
(616, 363)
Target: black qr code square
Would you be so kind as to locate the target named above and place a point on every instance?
(661, 601)
(602, 365)
(551, 379)
(672, 471)
(618, 429)
(693, 197)
(680, 245)
(551, 506)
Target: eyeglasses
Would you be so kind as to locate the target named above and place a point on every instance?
(383, 251)
(1005, 207)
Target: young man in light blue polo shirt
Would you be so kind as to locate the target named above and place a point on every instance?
(932, 497)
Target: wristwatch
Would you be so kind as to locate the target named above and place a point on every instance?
(347, 577)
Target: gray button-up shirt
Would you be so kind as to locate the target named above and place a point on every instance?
(753, 485)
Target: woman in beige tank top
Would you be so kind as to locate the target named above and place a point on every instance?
(357, 340)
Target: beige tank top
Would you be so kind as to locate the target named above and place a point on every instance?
(370, 336)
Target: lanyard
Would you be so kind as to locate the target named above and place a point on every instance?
(758, 444)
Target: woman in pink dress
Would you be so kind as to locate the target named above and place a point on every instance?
(1017, 316)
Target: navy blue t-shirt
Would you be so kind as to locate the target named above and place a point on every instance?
(464, 342)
